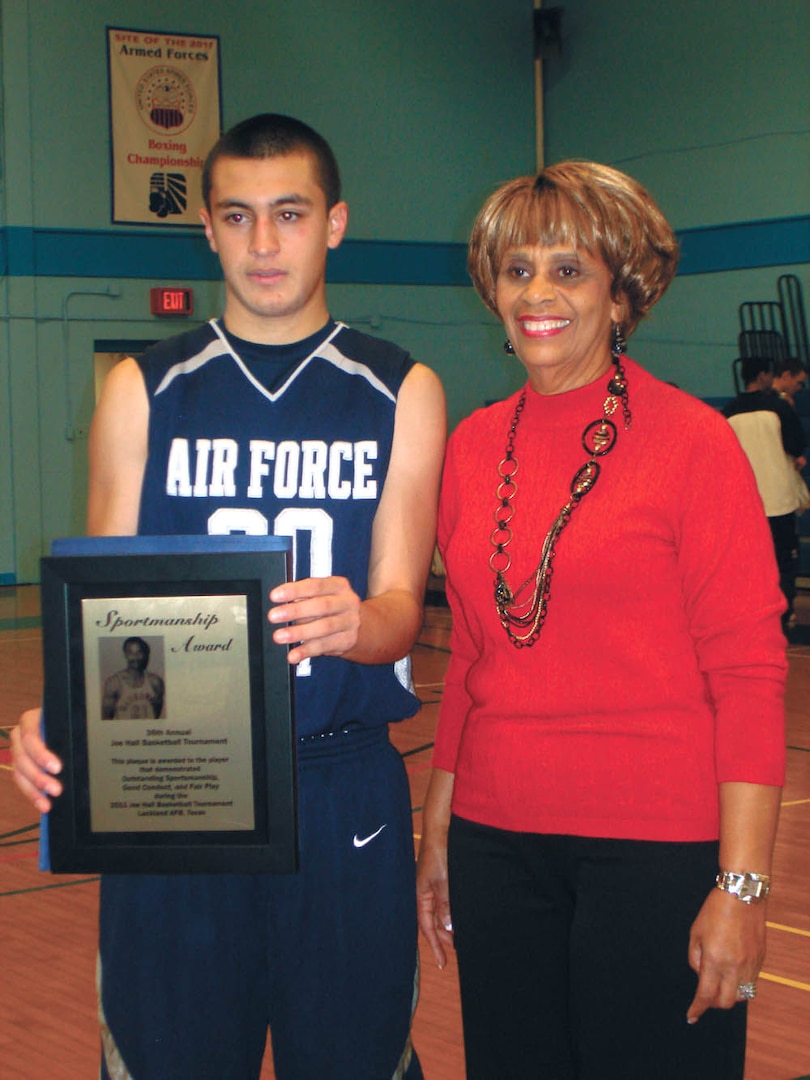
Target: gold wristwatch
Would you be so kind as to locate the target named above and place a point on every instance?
(750, 888)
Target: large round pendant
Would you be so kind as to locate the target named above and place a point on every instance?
(599, 437)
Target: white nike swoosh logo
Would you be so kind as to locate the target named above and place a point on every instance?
(366, 839)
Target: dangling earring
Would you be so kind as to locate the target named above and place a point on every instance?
(508, 348)
(619, 341)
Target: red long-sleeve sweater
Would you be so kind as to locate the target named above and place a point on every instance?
(660, 669)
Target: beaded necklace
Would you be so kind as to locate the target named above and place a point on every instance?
(522, 613)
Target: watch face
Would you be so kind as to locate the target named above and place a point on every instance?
(746, 887)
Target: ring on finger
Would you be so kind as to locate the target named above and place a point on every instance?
(747, 991)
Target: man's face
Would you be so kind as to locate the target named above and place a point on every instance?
(135, 656)
(269, 224)
(793, 383)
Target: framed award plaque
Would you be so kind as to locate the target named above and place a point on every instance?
(170, 706)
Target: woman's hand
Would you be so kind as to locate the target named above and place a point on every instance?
(433, 899)
(727, 942)
(35, 766)
(432, 890)
(726, 949)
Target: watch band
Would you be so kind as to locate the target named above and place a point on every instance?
(750, 888)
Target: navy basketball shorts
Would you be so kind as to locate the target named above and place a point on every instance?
(193, 969)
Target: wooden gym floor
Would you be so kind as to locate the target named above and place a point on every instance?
(48, 924)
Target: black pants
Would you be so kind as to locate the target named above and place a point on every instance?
(572, 956)
(786, 545)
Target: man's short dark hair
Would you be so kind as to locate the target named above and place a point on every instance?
(791, 366)
(137, 641)
(753, 366)
(272, 135)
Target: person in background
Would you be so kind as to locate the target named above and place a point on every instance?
(790, 377)
(599, 826)
(277, 419)
(772, 436)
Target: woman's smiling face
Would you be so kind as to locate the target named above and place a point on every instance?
(557, 306)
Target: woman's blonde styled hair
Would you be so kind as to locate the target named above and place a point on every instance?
(588, 206)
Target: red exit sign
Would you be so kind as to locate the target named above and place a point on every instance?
(172, 301)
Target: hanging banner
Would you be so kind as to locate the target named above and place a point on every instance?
(164, 118)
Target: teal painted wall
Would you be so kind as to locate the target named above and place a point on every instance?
(708, 105)
(429, 106)
(424, 102)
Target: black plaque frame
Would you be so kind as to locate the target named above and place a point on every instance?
(90, 570)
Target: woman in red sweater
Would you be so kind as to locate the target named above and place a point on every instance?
(610, 750)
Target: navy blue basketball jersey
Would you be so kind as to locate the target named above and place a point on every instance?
(234, 449)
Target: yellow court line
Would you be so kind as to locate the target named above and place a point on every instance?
(787, 929)
(796, 802)
(784, 982)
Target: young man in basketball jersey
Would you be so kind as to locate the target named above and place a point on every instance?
(275, 419)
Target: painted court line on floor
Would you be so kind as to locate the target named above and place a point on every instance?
(784, 982)
(787, 929)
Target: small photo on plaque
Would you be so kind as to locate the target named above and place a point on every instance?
(170, 706)
(134, 680)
